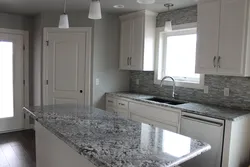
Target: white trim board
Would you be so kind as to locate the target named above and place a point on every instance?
(88, 85)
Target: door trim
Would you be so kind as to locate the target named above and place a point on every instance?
(88, 86)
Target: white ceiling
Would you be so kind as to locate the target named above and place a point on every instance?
(37, 6)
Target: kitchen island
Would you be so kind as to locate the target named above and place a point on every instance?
(86, 136)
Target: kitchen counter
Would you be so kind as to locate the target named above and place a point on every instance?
(107, 140)
(195, 108)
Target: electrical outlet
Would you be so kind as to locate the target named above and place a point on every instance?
(226, 91)
(97, 81)
(206, 89)
(137, 82)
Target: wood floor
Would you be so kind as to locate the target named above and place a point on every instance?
(17, 149)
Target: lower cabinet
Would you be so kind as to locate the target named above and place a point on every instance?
(153, 123)
(165, 118)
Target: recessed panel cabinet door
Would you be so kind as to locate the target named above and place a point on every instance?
(232, 37)
(207, 36)
(137, 44)
(126, 46)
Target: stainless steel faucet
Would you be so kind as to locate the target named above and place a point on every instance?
(166, 77)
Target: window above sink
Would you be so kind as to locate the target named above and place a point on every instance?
(176, 56)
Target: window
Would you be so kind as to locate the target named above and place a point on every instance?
(6, 84)
(176, 57)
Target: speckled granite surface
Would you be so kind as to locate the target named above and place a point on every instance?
(196, 108)
(107, 140)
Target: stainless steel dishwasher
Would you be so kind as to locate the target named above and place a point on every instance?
(206, 129)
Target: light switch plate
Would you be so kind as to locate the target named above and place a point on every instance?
(97, 81)
(206, 89)
(226, 91)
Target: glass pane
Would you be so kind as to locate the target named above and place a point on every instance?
(6, 82)
(181, 54)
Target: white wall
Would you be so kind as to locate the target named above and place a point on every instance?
(106, 60)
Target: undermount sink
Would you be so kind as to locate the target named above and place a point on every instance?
(159, 100)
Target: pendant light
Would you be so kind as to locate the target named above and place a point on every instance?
(95, 12)
(168, 24)
(64, 20)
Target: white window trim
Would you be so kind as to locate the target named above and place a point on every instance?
(160, 33)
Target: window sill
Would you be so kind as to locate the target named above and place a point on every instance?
(181, 84)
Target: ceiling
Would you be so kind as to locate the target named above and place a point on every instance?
(37, 6)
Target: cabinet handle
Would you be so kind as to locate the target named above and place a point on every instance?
(121, 104)
(128, 61)
(110, 101)
(218, 62)
(214, 61)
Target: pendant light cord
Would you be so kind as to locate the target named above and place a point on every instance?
(65, 4)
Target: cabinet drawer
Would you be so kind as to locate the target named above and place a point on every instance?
(122, 104)
(111, 101)
(154, 123)
(167, 115)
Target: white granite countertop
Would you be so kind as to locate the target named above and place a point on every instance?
(195, 108)
(107, 140)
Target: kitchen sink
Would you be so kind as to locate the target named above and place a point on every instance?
(160, 100)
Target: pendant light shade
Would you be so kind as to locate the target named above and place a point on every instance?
(64, 19)
(168, 26)
(95, 12)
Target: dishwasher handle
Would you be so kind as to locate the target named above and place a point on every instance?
(202, 121)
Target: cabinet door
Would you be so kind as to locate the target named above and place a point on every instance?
(207, 36)
(141, 119)
(137, 44)
(233, 25)
(126, 46)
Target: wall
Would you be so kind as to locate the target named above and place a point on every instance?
(106, 60)
(239, 86)
(105, 53)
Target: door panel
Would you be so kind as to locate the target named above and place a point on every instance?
(126, 46)
(66, 54)
(67, 67)
(208, 26)
(11, 82)
(137, 44)
(232, 36)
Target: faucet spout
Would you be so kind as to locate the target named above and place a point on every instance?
(168, 77)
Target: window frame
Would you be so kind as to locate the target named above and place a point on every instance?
(161, 35)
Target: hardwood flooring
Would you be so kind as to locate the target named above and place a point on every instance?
(17, 149)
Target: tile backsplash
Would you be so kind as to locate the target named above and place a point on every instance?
(239, 90)
(239, 86)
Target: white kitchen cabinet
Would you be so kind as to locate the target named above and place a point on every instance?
(138, 41)
(223, 37)
(165, 126)
(207, 36)
(117, 106)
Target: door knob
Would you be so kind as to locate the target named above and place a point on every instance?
(80, 91)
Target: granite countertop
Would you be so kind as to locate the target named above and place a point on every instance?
(195, 108)
(107, 140)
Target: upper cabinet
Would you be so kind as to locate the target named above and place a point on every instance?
(223, 37)
(138, 41)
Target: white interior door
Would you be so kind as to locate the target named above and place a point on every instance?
(11, 82)
(67, 67)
